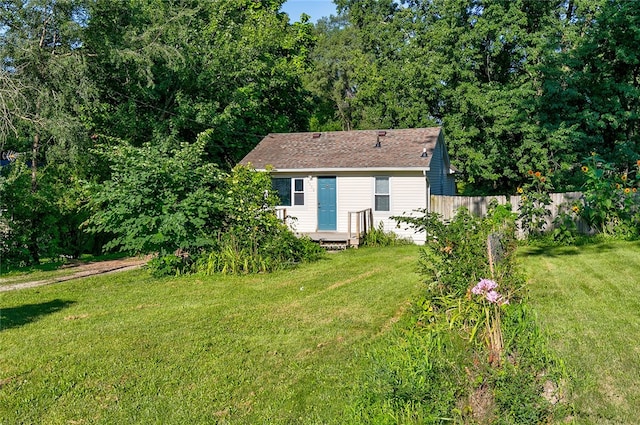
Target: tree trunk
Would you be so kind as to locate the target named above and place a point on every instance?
(33, 239)
(34, 163)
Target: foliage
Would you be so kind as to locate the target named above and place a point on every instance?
(171, 69)
(565, 229)
(77, 73)
(159, 198)
(610, 197)
(379, 237)
(169, 265)
(534, 203)
(41, 221)
(234, 254)
(517, 85)
(502, 362)
(251, 238)
(455, 254)
(595, 89)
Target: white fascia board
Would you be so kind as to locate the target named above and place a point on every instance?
(343, 170)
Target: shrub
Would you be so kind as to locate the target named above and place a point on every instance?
(611, 203)
(534, 203)
(248, 254)
(169, 265)
(454, 257)
(565, 229)
(160, 198)
(478, 349)
(252, 238)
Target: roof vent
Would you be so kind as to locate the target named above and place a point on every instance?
(424, 153)
(378, 144)
(316, 135)
(382, 133)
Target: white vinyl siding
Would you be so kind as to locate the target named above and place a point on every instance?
(356, 192)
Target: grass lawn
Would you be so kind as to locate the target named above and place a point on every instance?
(46, 270)
(588, 300)
(125, 348)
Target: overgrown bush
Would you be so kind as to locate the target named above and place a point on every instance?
(169, 265)
(160, 198)
(611, 202)
(40, 218)
(534, 203)
(247, 254)
(565, 229)
(442, 365)
(454, 257)
(252, 239)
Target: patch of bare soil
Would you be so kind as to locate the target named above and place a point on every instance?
(80, 270)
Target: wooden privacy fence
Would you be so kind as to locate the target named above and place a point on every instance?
(447, 206)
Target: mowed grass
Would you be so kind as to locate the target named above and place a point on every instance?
(47, 270)
(33, 275)
(125, 348)
(588, 300)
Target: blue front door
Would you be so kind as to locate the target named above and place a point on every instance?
(327, 216)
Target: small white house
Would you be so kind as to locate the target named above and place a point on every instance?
(339, 183)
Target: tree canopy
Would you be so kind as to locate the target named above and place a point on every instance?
(517, 85)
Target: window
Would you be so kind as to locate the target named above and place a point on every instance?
(298, 192)
(283, 187)
(381, 194)
(286, 187)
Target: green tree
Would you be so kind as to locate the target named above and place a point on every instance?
(602, 86)
(176, 69)
(474, 67)
(159, 199)
(45, 91)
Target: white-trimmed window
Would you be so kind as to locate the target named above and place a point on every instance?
(289, 190)
(381, 194)
(298, 192)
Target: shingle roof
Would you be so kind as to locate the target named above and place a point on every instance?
(345, 149)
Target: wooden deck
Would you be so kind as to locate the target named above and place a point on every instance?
(335, 240)
(358, 224)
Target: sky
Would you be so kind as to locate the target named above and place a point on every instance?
(315, 8)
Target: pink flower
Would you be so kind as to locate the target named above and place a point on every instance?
(487, 288)
(493, 296)
(484, 286)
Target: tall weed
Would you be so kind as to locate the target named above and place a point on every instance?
(252, 254)
(440, 366)
(377, 236)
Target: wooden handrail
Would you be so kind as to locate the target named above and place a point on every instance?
(363, 222)
(281, 213)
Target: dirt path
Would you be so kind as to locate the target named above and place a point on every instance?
(83, 270)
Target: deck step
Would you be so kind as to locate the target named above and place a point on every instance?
(333, 245)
